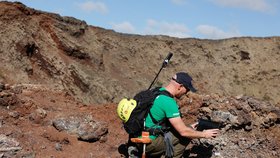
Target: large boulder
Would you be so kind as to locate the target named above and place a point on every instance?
(84, 127)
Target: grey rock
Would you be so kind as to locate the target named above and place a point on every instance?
(84, 127)
(58, 147)
(67, 124)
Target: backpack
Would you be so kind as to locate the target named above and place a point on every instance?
(134, 111)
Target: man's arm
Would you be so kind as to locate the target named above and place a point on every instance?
(185, 131)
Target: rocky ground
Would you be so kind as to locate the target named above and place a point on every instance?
(249, 127)
(40, 122)
(60, 81)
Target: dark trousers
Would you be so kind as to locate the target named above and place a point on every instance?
(157, 147)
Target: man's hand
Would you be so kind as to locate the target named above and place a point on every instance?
(185, 131)
(210, 133)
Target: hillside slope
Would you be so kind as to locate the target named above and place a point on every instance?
(97, 65)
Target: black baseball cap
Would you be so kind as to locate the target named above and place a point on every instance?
(186, 80)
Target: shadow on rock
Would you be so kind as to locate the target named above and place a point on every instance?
(199, 151)
(123, 150)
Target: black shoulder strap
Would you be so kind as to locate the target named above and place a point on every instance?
(157, 93)
(166, 93)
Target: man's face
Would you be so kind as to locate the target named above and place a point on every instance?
(181, 91)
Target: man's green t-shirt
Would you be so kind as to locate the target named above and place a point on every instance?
(163, 107)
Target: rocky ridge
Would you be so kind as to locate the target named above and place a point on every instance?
(96, 65)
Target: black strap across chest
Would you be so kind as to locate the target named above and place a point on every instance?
(160, 92)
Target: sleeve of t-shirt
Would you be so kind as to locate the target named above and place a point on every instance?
(170, 107)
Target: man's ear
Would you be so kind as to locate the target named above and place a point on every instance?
(180, 86)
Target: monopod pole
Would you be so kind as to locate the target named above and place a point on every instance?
(164, 64)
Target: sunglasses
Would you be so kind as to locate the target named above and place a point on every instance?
(174, 79)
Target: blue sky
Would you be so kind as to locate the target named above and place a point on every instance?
(205, 19)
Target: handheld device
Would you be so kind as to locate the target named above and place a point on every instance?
(207, 124)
